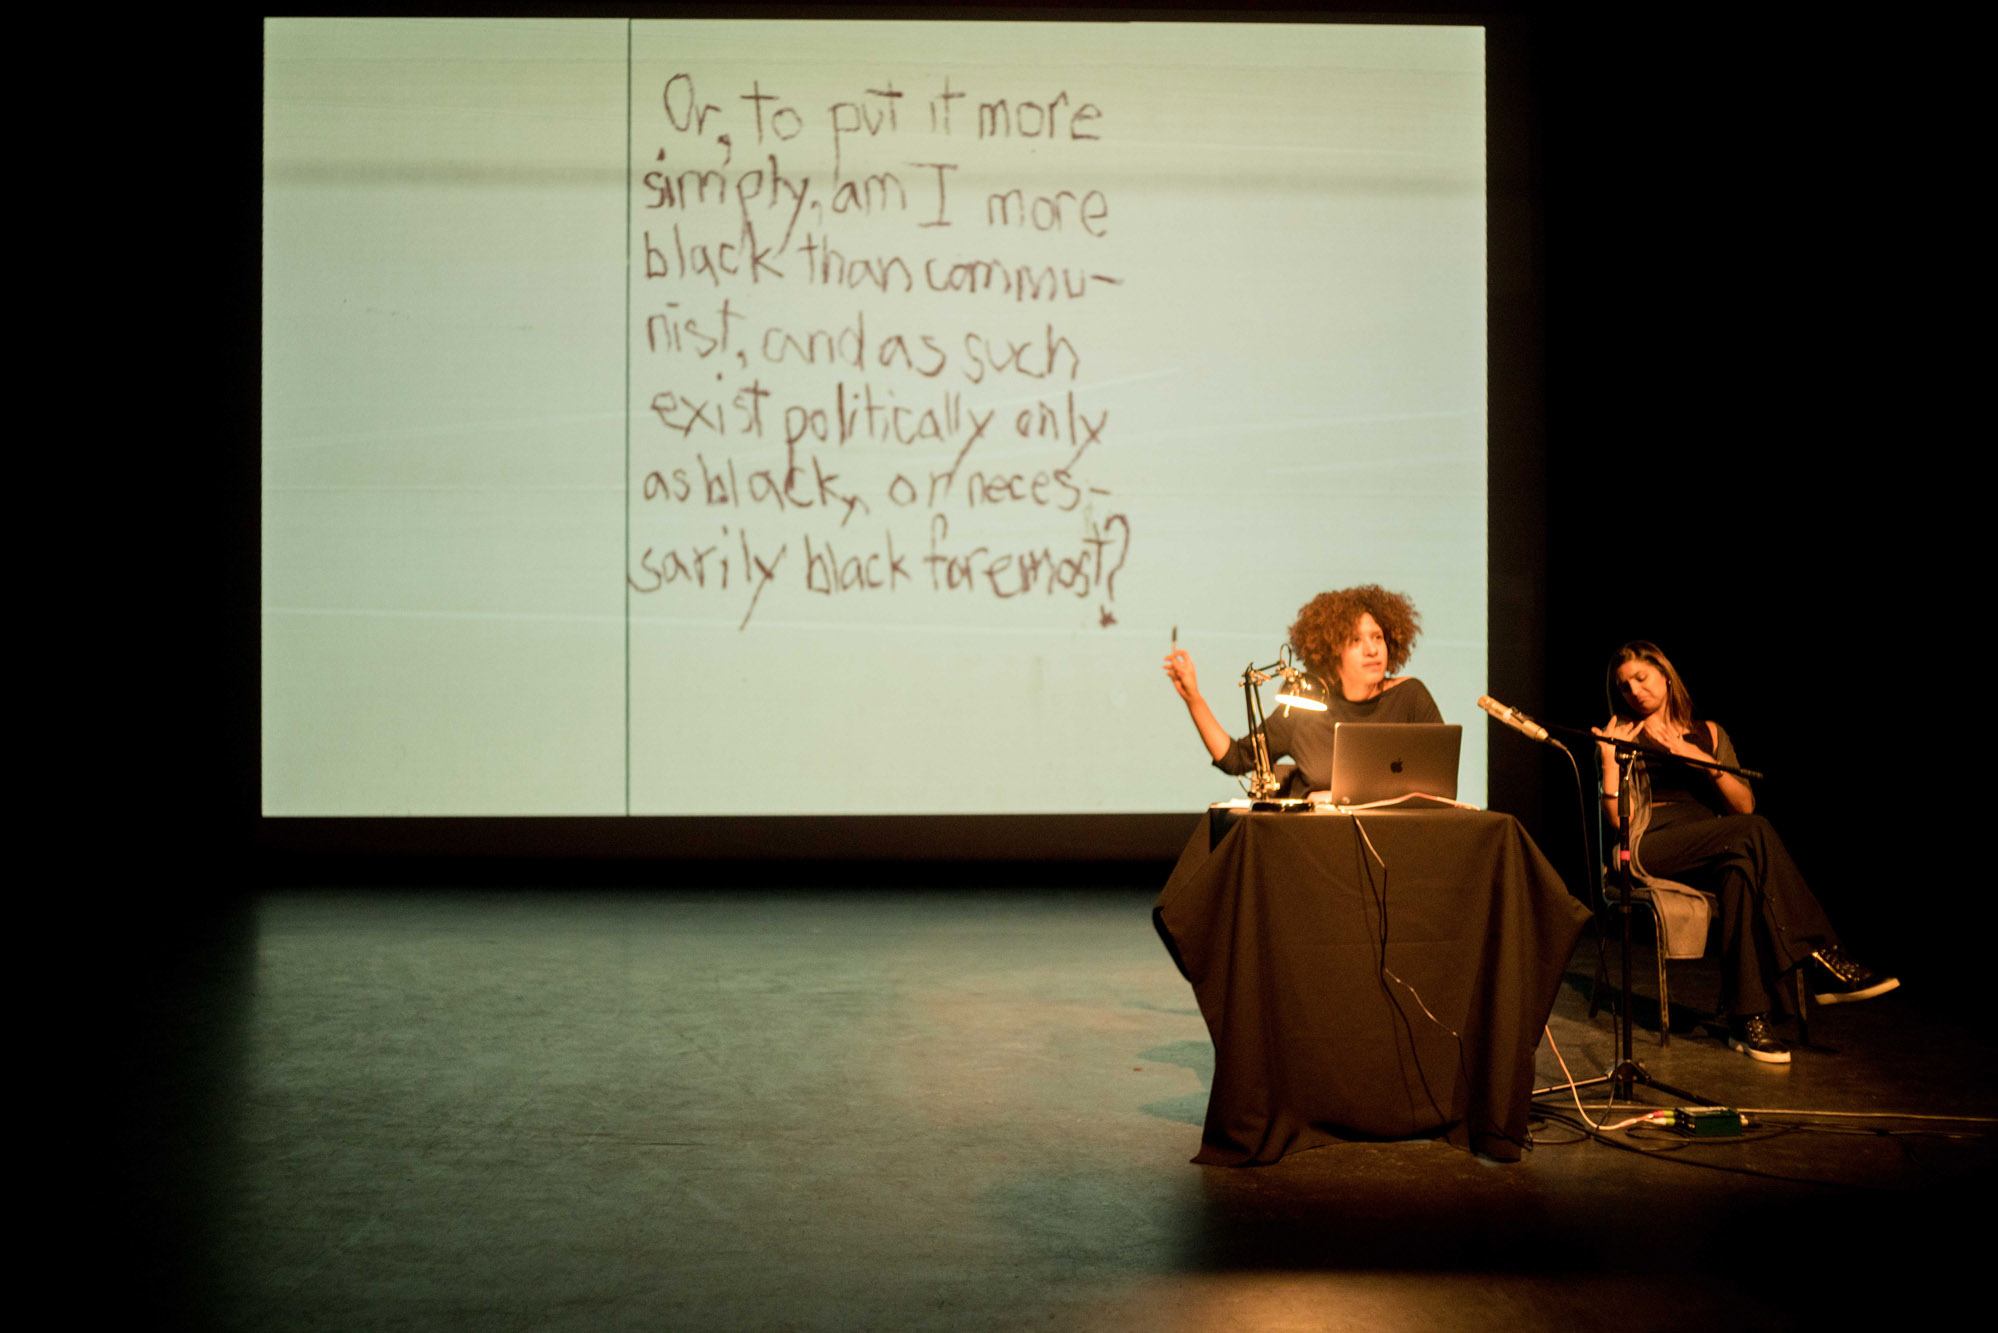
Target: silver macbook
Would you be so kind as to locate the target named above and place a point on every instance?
(1373, 762)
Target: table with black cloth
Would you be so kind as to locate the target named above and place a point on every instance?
(1313, 963)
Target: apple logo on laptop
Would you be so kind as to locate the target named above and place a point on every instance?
(1395, 767)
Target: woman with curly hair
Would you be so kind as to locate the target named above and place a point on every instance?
(1355, 640)
(1700, 826)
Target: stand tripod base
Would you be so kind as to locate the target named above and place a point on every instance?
(1624, 1080)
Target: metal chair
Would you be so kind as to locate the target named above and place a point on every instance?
(1681, 920)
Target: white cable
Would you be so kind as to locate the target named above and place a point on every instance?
(1649, 1117)
(1871, 1115)
(1388, 971)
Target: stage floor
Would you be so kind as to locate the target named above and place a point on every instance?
(946, 1107)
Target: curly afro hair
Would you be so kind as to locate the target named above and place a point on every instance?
(1327, 623)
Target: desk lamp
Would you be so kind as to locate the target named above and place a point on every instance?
(1299, 690)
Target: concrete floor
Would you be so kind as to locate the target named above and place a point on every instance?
(947, 1109)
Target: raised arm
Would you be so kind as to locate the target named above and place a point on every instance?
(1186, 683)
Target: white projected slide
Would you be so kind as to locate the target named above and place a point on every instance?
(752, 418)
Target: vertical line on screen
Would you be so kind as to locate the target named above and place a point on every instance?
(624, 410)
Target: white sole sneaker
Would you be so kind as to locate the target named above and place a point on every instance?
(1780, 1056)
(1880, 986)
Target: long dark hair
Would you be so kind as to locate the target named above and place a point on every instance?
(1678, 703)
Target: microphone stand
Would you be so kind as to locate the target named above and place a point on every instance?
(1628, 1070)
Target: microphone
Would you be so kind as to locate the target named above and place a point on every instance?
(1515, 719)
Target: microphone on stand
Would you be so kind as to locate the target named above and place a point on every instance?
(1515, 719)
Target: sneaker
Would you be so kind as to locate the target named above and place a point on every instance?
(1752, 1037)
(1836, 979)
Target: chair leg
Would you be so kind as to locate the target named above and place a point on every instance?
(1664, 988)
(1664, 984)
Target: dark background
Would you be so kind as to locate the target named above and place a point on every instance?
(1727, 257)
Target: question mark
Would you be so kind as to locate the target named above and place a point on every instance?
(1110, 580)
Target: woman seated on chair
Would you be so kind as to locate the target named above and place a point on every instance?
(1356, 639)
(1700, 826)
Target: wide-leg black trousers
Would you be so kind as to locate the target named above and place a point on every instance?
(1770, 921)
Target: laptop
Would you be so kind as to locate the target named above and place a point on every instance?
(1378, 762)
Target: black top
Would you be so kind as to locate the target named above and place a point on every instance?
(1307, 737)
(1679, 785)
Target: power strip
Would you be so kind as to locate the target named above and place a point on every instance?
(1708, 1122)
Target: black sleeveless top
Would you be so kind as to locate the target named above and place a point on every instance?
(1674, 783)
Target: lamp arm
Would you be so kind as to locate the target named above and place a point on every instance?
(1262, 781)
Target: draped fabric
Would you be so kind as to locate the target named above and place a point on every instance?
(1313, 963)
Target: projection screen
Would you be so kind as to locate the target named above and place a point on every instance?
(830, 418)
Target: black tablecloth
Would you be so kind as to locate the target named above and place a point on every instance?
(1293, 936)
